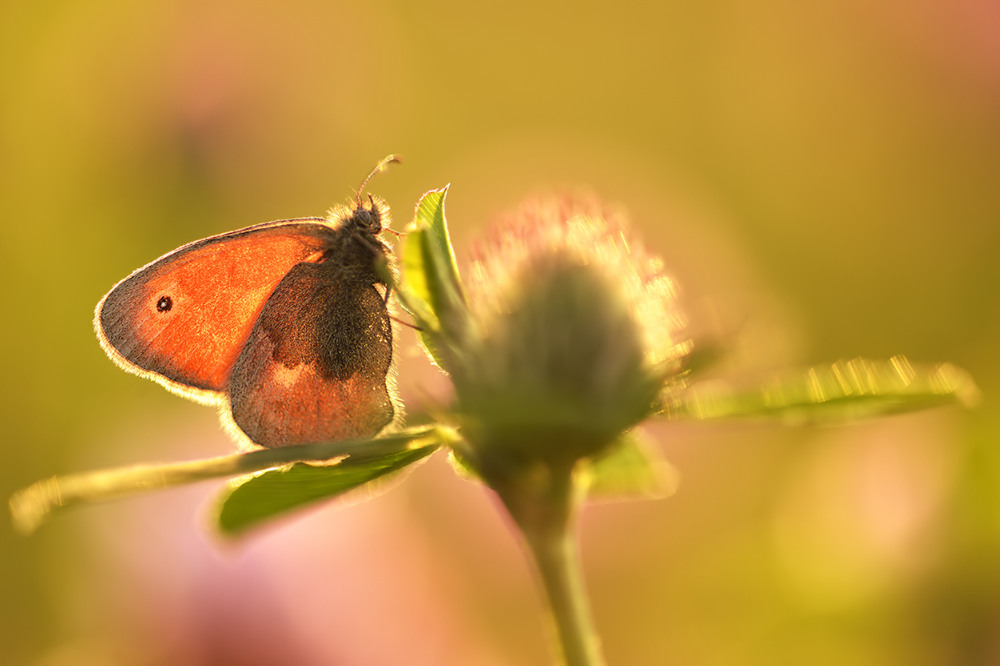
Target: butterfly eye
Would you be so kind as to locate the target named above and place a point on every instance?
(164, 304)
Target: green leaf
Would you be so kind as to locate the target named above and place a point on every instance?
(631, 468)
(839, 391)
(276, 492)
(32, 506)
(430, 289)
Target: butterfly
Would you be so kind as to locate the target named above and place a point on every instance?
(283, 325)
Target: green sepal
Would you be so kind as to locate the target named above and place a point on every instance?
(630, 468)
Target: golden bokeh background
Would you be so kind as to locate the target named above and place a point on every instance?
(823, 178)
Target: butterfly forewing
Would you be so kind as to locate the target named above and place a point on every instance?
(185, 317)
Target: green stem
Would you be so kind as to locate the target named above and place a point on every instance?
(543, 505)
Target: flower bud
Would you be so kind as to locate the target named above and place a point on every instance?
(574, 335)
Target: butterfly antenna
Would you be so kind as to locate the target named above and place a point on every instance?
(379, 168)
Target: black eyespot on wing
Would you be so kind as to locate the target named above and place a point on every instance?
(164, 304)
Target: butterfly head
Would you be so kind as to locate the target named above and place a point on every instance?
(368, 217)
(373, 216)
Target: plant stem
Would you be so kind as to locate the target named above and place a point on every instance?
(543, 506)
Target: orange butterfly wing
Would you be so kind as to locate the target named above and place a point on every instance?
(317, 362)
(183, 319)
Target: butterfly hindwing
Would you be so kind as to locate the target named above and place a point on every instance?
(316, 362)
(184, 318)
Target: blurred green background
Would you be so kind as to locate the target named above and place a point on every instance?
(823, 178)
